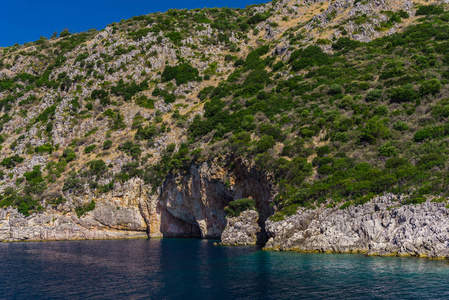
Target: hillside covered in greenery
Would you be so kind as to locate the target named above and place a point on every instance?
(328, 116)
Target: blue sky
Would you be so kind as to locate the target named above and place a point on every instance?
(23, 21)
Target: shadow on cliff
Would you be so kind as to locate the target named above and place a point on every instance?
(192, 205)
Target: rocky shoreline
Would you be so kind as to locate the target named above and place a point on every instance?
(381, 227)
(384, 226)
(14, 227)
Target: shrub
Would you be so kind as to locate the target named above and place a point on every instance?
(258, 17)
(346, 205)
(335, 89)
(97, 167)
(374, 95)
(402, 94)
(11, 161)
(346, 102)
(35, 182)
(144, 102)
(345, 43)
(74, 184)
(310, 56)
(395, 162)
(102, 95)
(107, 144)
(428, 161)
(82, 210)
(90, 148)
(131, 149)
(174, 36)
(375, 128)
(69, 155)
(321, 151)
(430, 87)
(64, 33)
(46, 114)
(342, 137)
(429, 10)
(236, 207)
(137, 35)
(127, 91)
(387, 150)
(400, 126)
(24, 204)
(266, 142)
(422, 135)
(182, 73)
(307, 132)
(44, 148)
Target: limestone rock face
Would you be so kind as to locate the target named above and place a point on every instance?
(53, 226)
(117, 215)
(192, 205)
(241, 230)
(186, 205)
(380, 227)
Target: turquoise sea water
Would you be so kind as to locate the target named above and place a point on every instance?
(196, 269)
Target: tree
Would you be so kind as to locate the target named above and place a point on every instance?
(65, 33)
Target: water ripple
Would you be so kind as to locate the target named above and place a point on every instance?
(187, 269)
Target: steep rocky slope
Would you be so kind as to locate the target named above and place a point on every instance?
(154, 125)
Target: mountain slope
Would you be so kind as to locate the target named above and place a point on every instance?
(158, 122)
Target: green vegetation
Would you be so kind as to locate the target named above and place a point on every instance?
(182, 73)
(340, 126)
(11, 161)
(236, 207)
(372, 121)
(82, 210)
(90, 148)
(24, 204)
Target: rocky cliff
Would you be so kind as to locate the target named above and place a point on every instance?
(186, 205)
(380, 227)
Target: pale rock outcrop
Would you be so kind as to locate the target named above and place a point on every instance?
(380, 227)
(54, 226)
(241, 230)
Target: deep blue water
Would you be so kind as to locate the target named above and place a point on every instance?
(196, 269)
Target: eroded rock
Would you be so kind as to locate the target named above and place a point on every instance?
(380, 227)
(241, 230)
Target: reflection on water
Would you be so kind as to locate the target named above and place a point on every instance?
(186, 268)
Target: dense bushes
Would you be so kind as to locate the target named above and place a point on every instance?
(311, 56)
(182, 73)
(69, 155)
(430, 87)
(127, 91)
(429, 10)
(35, 183)
(24, 204)
(11, 161)
(402, 94)
(236, 207)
